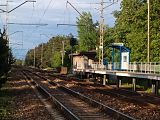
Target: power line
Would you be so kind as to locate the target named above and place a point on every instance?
(42, 17)
(20, 5)
(15, 7)
(45, 10)
(1, 19)
(69, 25)
(74, 8)
(36, 24)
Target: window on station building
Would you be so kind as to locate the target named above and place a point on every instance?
(124, 58)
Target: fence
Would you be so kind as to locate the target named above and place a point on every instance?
(141, 67)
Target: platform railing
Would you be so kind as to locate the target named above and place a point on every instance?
(97, 66)
(140, 67)
(144, 67)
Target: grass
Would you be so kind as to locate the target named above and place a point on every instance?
(4, 103)
(149, 90)
(130, 85)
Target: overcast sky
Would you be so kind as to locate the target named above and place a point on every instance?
(51, 12)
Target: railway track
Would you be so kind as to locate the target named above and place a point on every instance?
(73, 104)
(44, 98)
(130, 96)
(145, 107)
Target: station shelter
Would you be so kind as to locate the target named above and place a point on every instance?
(120, 56)
(83, 60)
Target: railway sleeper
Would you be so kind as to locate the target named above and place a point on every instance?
(116, 114)
(109, 111)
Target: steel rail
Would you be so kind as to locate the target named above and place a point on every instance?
(66, 111)
(107, 109)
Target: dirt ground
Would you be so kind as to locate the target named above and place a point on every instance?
(19, 101)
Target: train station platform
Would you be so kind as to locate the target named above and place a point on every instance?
(152, 76)
(134, 75)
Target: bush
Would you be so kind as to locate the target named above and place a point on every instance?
(2, 81)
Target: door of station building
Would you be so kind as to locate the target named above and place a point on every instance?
(125, 61)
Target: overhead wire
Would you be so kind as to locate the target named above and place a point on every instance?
(64, 17)
(33, 10)
(1, 20)
(45, 11)
(42, 16)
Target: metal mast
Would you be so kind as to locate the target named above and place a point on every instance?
(63, 52)
(6, 24)
(101, 32)
(42, 56)
(34, 59)
(101, 27)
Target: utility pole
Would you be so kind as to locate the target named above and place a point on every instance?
(6, 24)
(34, 64)
(63, 52)
(101, 33)
(43, 48)
(42, 56)
(148, 47)
(101, 29)
(7, 11)
(6, 29)
(101, 26)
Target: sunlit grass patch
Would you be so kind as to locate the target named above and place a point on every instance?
(130, 86)
(4, 103)
(149, 90)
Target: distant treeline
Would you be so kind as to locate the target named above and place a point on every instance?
(50, 54)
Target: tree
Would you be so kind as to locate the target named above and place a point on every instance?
(87, 32)
(56, 59)
(6, 58)
(131, 28)
(51, 52)
(29, 58)
(155, 30)
(108, 39)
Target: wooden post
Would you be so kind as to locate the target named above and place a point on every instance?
(155, 87)
(104, 80)
(134, 84)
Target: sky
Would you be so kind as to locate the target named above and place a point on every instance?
(50, 12)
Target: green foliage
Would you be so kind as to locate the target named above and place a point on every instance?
(5, 108)
(87, 32)
(29, 58)
(56, 62)
(3, 55)
(19, 62)
(52, 52)
(6, 58)
(131, 28)
(108, 39)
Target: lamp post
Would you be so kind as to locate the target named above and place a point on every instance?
(62, 52)
(42, 48)
(34, 59)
